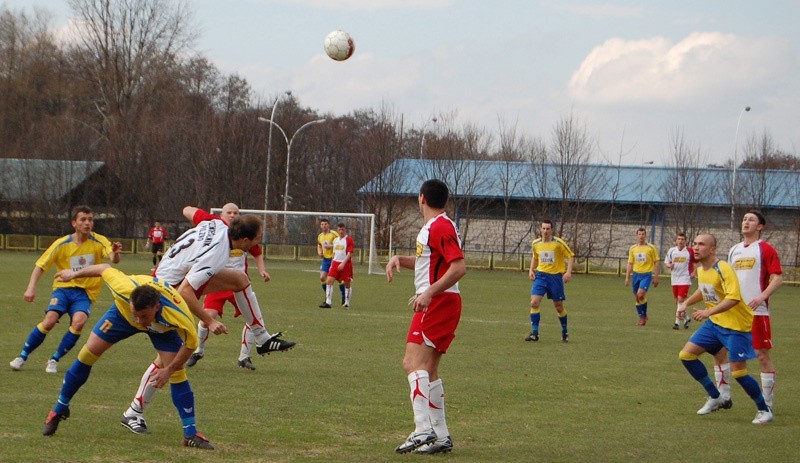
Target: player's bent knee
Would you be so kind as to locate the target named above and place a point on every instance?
(739, 373)
(179, 376)
(687, 356)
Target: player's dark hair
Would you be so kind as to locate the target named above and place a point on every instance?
(435, 193)
(245, 226)
(761, 219)
(549, 222)
(324, 220)
(342, 225)
(144, 296)
(641, 229)
(681, 234)
(78, 209)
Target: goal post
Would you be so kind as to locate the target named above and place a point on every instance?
(300, 228)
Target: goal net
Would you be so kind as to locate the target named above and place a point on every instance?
(292, 235)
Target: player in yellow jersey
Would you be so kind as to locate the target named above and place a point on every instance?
(551, 268)
(142, 304)
(325, 252)
(643, 264)
(75, 251)
(727, 323)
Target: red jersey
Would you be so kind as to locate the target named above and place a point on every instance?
(753, 264)
(438, 244)
(157, 235)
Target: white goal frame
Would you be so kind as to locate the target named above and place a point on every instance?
(371, 259)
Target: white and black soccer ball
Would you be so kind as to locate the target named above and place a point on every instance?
(339, 45)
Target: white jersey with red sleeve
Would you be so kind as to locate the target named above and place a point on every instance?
(238, 258)
(681, 271)
(341, 246)
(197, 255)
(438, 244)
(753, 264)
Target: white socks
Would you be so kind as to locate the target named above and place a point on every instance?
(436, 410)
(768, 386)
(248, 339)
(248, 306)
(420, 391)
(145, 393)
(722, 376)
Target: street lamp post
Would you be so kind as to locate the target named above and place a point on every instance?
(422, 141)
(289, 141)
(735, 162)
(269, 150)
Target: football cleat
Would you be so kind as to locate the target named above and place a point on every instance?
(416, 439)
(534, 336)
(198, 440)
(763, 417)
(438, 446)
(675, 326)
(324, 305)
(246, 363)
(17, 363)
(686, 323)
(713, 405)
(193, 359)
(564, 337)
(52, 366)
(135, 424)
(275, 345)
(51, 423)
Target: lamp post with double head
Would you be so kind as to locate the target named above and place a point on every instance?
(733, 171)
(289, 141)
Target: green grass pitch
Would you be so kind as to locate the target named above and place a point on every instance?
(615, 393)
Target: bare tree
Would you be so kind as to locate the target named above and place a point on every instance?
(511, 177)
(570, 152)
(687, 185)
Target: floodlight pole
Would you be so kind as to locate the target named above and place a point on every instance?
(269, 149)
(733, 171)
(422, 141)
(288, 158)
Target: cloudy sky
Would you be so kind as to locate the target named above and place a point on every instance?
(633, 72)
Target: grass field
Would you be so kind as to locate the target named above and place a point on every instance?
(615, 393)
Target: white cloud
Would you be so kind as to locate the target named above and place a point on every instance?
(656, 69)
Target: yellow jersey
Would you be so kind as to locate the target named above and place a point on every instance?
(643, 257)
(174, 314)
(65, 254)
(551, 255)
(719, 283)
(327, 238)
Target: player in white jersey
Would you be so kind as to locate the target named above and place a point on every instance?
(214, 303)
(758, 268)
(341, 269)
(438, 266)
(680, 261)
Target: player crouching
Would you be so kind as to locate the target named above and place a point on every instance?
(142, 304)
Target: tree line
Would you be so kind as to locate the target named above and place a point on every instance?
(172, 129)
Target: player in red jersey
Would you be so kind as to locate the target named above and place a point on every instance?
(156, 237)
(438, 266)
(341, 269)
(758, 268)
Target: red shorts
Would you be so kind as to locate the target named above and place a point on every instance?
(762, 332)
(216, 301)
(680, 291)
(436, 326)
(340, 273)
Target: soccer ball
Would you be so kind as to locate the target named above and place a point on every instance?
(339, 45)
